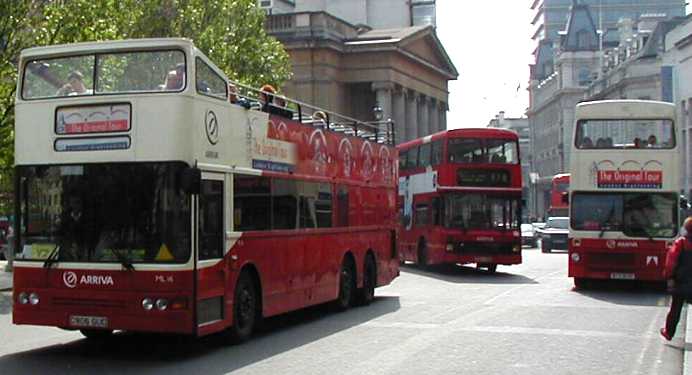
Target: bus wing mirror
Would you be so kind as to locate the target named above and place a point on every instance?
(191, 180)
(565, 198)
(684, 203)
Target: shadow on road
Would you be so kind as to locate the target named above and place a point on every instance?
(467, 275)
(211, 355)
(632, 293)
(5, 303)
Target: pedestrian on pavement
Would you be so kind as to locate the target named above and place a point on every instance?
(678, 271)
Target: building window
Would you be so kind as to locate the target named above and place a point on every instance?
(423, 13)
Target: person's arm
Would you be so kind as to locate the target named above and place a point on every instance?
(672, 258)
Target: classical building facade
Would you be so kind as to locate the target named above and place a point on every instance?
(350, 69)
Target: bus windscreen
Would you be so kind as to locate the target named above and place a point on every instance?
(625, 134)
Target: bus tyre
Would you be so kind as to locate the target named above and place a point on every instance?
(96, 334)
(347, 285)
(544, 248)
(245, 306)
(580, 283)
(366, 294)
(492, 268)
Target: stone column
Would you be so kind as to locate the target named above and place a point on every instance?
(434, 115)
(442, 122)
(423, 123)
(411, 115)
(399, 118)
(383, 95)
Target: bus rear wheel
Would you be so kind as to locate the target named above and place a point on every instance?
(366, 294)
(244, 309)
(581, 283)
(347, 286)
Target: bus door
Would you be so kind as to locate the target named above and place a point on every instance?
(211, 270)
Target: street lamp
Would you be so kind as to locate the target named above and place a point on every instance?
(378, 113)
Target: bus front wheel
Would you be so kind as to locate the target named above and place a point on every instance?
(581, 283)
(244, 309)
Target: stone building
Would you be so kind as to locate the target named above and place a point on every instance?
(552, 101)
(521, 127)
(350, 68)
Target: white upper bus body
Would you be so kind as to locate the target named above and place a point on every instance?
(625, 176)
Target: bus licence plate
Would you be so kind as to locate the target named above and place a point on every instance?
(622, 276)
(88, 321)
(484, 259)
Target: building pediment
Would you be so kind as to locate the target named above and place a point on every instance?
(418, 42)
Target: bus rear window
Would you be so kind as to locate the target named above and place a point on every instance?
(146, 71)
(476, 150)
(625, 134)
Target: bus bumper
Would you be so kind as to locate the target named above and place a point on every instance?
(105, 310)
(504, 259)
(600, 264)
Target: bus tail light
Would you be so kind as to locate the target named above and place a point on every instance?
(575, 257)
(516, 248)
(516, 233)
(576, 242)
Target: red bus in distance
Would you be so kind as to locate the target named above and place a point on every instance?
(460, 198)
(559, 191)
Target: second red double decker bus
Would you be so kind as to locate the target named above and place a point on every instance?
(559, 189)
(460, 198)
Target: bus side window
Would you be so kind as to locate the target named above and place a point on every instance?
(424, 156)
(403, 159)
(342, 206)
(422, 215)
(436, 152)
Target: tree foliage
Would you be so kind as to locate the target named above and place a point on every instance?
(230, 32)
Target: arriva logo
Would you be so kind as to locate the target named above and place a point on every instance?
(70, 279)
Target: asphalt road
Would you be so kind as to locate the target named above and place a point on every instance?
(451, 320)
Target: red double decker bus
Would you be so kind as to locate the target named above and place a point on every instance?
(152, 198)
(460, 198)
(559, 190)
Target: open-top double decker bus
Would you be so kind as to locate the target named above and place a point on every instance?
(460, 198)
(624, 193)
(148, 199)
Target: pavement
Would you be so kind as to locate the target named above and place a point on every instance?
(5, 277)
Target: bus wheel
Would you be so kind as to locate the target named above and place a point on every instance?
(581, 283)
(96, 334)
(366, 294)
(544, 248)
(347, 285)
(492, 268)
(422, 255)
(244, 309)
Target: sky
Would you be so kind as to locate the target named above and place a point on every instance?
(490, 44)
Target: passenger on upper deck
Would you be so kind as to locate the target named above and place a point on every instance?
(273, 104)
(175, 79)
(234, 98)
(586, 142)
(652, 142)
(74, 86)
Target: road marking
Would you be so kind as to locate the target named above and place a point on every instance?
(513, 290)
(552, 332)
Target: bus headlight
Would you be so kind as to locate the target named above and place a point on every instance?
(33, 299)
(575, 257)
(161, 304)
(23, 298)
(576, 242)
(147, 304)
(516, 248)
(449, 248)
(516, 233)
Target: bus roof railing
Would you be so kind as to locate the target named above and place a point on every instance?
(378, 131)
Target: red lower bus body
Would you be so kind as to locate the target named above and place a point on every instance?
(485, 247)
(617, 259)
(305, 275)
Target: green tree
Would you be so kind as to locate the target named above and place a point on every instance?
(230, 32)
